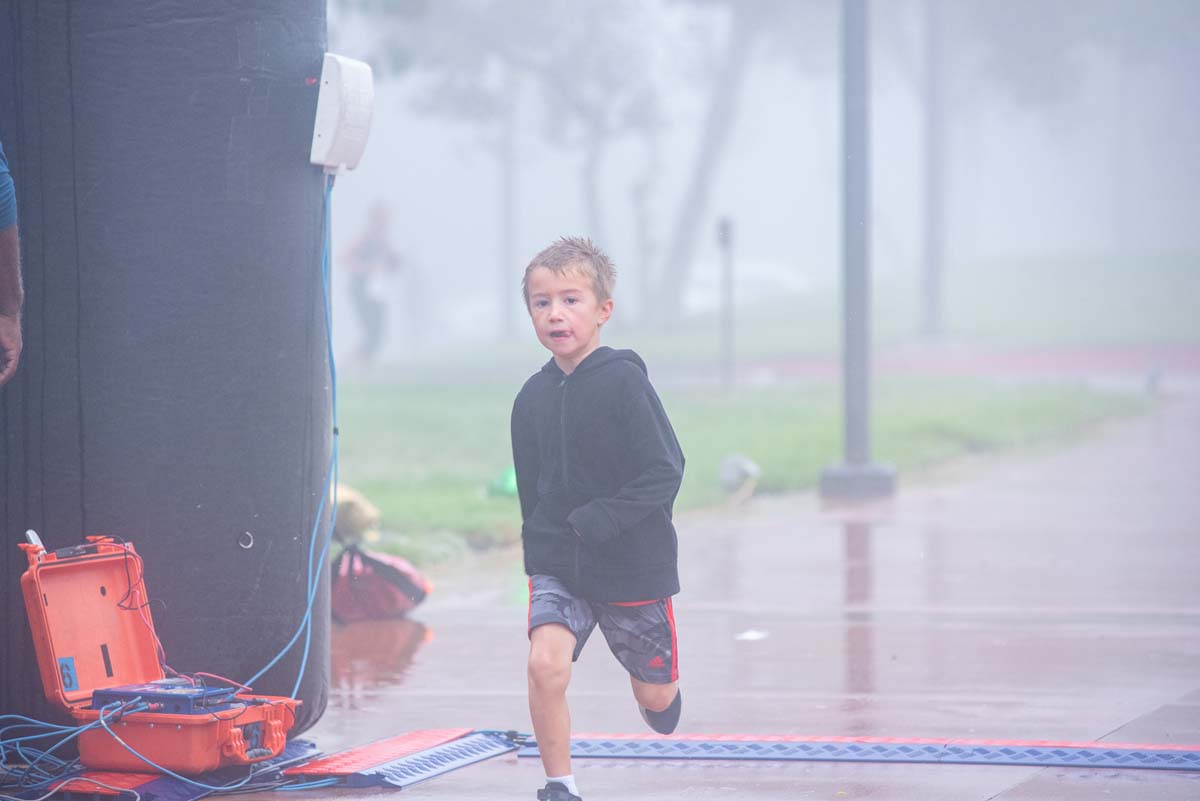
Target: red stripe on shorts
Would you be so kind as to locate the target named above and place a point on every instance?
(674, 642)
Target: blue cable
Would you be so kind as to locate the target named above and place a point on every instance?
(314, 578)
(32, 722)
(67, 768)
(310, 785)
(32, 757)
(9, 742)
(116, 707)
(331, 474)
(170, 773)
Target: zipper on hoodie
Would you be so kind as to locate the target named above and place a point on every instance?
(562, 432)
(562, 439)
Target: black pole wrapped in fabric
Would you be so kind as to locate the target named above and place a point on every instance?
(174, 387)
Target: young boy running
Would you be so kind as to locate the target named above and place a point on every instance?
(598, 467)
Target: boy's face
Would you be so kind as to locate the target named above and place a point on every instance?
(566, 314)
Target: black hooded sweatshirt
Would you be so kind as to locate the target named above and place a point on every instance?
(598, 467)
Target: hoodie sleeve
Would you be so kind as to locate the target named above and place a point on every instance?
(8, 194)
(526, 458)
(657, 462)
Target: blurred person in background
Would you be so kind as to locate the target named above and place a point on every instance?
(369, 256)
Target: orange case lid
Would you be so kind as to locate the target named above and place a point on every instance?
(95, 617)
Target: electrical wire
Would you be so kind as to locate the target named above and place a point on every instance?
(310, 785)
(39, 767)
(119, 790)
(330, 486)
(222, 678)
(35, 778)
(32, 721)
(314, 579)
(134, 592)
(231, 786)
(115, 708)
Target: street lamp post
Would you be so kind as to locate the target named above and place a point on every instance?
(857, 476)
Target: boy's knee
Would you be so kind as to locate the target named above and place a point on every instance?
(548, 670)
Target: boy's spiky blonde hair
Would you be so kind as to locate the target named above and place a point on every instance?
(575, 253)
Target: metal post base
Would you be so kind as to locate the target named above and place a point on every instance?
(858, 481)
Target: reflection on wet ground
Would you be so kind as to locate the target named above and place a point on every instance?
(859, 632)
(1051, 594)
(370, 654)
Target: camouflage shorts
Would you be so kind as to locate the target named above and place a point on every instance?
(640, 635)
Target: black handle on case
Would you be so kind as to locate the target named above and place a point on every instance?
(76, 550)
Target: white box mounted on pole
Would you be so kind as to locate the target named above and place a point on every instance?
(344, 105)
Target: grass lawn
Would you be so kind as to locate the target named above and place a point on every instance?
(424, 443)
(425, 453)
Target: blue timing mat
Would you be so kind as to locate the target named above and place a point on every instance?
(409, 770)
(1095, 755)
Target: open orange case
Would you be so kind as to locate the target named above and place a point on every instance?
(92, 630)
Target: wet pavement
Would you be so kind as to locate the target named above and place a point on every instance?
(1051, 594)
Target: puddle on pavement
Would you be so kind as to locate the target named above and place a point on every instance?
(371, 654)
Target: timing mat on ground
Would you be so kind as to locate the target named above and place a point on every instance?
(409, 758)
(1036, 753)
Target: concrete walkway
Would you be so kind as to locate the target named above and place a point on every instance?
(1049, 594)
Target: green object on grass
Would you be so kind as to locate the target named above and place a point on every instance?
(504, 484)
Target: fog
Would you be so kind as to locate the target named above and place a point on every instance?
(1033, 231)
(1065, 136)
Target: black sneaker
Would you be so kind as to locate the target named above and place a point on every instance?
(664, 722)
(556, 791)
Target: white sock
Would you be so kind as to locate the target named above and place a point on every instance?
(567, 781)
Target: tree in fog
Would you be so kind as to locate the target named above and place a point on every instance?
(594, 75)
(956, 53)
(444, 45)
(591, 64)
(598, 68)
(794, 29)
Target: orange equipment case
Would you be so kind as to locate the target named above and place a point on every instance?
(92, 630)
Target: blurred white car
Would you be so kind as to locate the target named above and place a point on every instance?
(753, 281)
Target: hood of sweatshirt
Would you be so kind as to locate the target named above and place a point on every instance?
(597, 360)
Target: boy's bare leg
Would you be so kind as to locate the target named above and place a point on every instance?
(550, 649)
(655, 697)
